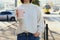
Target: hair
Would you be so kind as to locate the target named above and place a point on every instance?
(23, 1)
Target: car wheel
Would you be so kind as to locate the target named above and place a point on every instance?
(12, 19)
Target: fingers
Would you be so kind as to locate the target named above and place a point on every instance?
(36, 34)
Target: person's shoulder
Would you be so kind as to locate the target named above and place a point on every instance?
(18, 7)
(36, 6)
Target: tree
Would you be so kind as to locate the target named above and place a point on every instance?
(36, 2)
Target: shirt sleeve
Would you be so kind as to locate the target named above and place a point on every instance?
(18, 14)
(18, 21)
(16, 11)
(40, 22)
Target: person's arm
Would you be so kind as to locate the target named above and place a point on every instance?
(40, 22)
(17, 14)
(18, 21)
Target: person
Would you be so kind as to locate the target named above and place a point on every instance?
(30, 23)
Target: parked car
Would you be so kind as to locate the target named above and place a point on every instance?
(7, 15)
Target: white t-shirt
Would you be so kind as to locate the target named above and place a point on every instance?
(30, 16)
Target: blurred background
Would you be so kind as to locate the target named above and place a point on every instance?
(50, 10)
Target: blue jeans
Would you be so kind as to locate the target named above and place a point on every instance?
(25, 36)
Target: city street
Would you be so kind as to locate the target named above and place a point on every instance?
(7, 29)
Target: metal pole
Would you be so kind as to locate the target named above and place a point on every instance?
(7, 18)
(15, 3)
(46, 32)
(44, 35)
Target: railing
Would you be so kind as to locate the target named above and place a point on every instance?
(46, 35)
